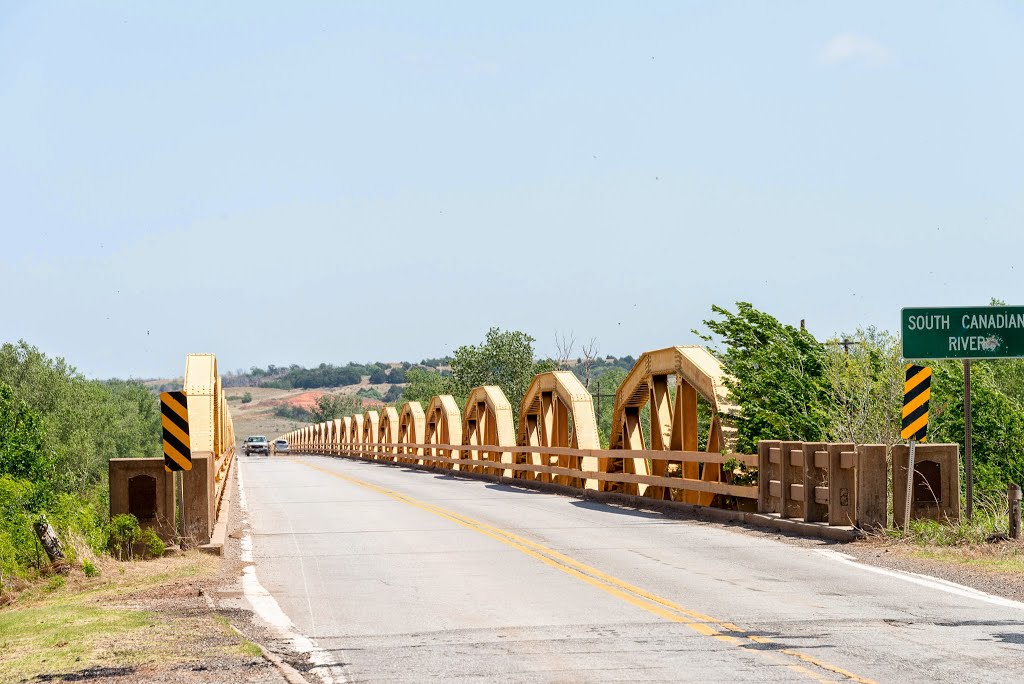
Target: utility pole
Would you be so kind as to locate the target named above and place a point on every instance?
(845, 343)
(597, 395)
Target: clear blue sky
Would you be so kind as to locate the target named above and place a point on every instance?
(200, 176)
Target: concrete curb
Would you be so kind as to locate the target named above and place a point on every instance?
(220, 528)
(674, 509)
(290, 674)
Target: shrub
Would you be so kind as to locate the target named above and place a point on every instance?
(18, 548)
(122, 533)
(247, 397)
(152, 545)
(90, 569)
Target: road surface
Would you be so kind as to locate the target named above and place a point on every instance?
(393, 574)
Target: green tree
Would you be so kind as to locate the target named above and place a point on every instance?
(866, 383)
(85, 422)
(423, 384)
(778, 376)
(504, 359)
(22, 453)
(331, 406)
(997, 423)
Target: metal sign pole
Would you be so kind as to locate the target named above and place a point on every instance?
(179, 506)
(968, 458)
(910, 485)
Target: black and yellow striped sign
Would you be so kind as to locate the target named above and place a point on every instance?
(174, 417)
(917, 390)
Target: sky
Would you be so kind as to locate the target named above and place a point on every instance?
(332, 182)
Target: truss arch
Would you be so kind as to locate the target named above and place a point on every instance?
(371, 432)
(387, 433)
(411, 428)
(674, 423)
(443, 425)
(558, 411)
(487, 421)
(357, 435)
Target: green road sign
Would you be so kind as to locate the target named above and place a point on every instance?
(965, 332)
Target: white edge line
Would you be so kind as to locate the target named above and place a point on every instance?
(269, 610)
(925, 581)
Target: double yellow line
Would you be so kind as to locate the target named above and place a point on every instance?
(705, 625)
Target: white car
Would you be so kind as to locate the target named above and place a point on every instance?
(257, 444)
(280, 446)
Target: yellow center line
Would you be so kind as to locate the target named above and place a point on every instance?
(636, 596)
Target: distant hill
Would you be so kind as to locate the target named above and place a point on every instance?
(382, 375)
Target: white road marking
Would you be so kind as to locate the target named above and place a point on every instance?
(266, 606)
(925, 581)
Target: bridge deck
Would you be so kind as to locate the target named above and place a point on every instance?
(403, 575)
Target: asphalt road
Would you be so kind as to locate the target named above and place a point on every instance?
(405, 575)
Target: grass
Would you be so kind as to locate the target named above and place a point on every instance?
(1003, 559)
(990, 520)
(245, 647)
(126, 616)
(979, 543)
(63, 636)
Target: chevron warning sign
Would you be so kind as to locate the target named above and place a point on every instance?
(174, 417)
(917, 390)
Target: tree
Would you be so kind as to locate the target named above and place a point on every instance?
(504, 359)
(423, 384)
(866, 384)
(997, 423)
(331, 406)
(22, 452)
(564, 345)
(590, 350)
(778, 376)
(379, 376)
(85, 422)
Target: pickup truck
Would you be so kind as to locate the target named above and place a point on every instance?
(256, 445)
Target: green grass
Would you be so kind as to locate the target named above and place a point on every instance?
(1006, 559)
(990, 518)
(248, 648)
(244, 646)
(65, 626)
(61, 636)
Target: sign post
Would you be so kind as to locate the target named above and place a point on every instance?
(177, 444)
(966, 333)
(917, 393)
(968, 456)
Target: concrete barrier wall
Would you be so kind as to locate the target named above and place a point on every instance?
(142, 487)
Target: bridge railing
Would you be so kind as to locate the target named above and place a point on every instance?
(557, 443)
(530, 471)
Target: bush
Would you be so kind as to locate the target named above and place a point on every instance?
(152, 545)
(247, 397)
(123, 532)
(18, 550)
(90, 569)
(293, 413)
